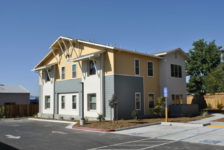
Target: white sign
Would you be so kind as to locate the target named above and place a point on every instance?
(165, 92)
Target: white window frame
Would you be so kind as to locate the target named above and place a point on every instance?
(154, 98)
(136, 101)
(152, 68)
(64, 73)
(135, 66)
(64, 101)
(45, 102)
(75, 71)
(75, 102)
(88, 103)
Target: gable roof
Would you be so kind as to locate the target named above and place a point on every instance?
(91, 43)
(171, 51)
(12, 89)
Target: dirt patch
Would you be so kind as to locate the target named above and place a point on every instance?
(219, 120)
(129, 123)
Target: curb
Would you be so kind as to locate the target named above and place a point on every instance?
(183, 124)
(111, 130)
(70, 126)
(92, 129)
(138, 126)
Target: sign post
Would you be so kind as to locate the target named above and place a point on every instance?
(165, 94)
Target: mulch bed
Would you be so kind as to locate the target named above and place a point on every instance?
(129, 123)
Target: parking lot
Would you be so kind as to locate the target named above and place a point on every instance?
(26, 135)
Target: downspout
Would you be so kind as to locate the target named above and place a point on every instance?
(102, 87)
(54, 92)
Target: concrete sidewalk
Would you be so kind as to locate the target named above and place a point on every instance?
(203, 135)
(215, 116)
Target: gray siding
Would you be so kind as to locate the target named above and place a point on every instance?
(68, 86)
(174, 85)
(125, 88)
(109, 91)
(17, 98)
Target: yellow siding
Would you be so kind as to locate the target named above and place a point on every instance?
(81, 49)
(124, 64)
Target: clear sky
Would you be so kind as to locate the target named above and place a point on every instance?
(28, 27)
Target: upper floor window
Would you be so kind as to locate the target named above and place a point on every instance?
(176, 71)
(137, 67)
(150, 68)
(92, 69)
(62, 72)
(46, 75)
(74, 71)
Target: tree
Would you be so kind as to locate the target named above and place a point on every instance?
(203, 58)
(214, 81)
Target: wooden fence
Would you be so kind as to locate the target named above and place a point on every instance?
(24, 110)
(211, 99)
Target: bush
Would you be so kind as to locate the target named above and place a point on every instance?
(134, 114)
(86, 120)
(100, 117)
(219, 106)
(205, 113)
(159, 109)
(62, 118)
(209, 106)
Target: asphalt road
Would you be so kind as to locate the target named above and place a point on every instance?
(35, 135)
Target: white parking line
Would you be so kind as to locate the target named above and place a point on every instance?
(137, 144)
(59, 132)
(157, 145)
(117, 144)
(9, 136)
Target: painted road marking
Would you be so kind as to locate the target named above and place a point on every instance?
(216, 126)
(117, 144)
(9, 136)
(135, 145)
(59, 132)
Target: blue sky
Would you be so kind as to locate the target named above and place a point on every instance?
(28, 27)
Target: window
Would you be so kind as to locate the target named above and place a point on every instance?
(73, 101)
(150, 68)
(177, 99)
(137, 101)
(92, 69)
(137, 67)
(45, 76)
(47, 102)
(151, 98)
(176, 71)
(62, 102)
(91, 101)
(62, 72)
(74, 71)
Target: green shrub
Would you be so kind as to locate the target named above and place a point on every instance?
(159, 109)
(100, 117)
(219, 106)
(209, 106)
(134, 114)
(62, 118)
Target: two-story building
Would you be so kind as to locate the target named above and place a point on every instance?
(78, 78)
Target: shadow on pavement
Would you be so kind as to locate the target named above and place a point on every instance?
(7, 147)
